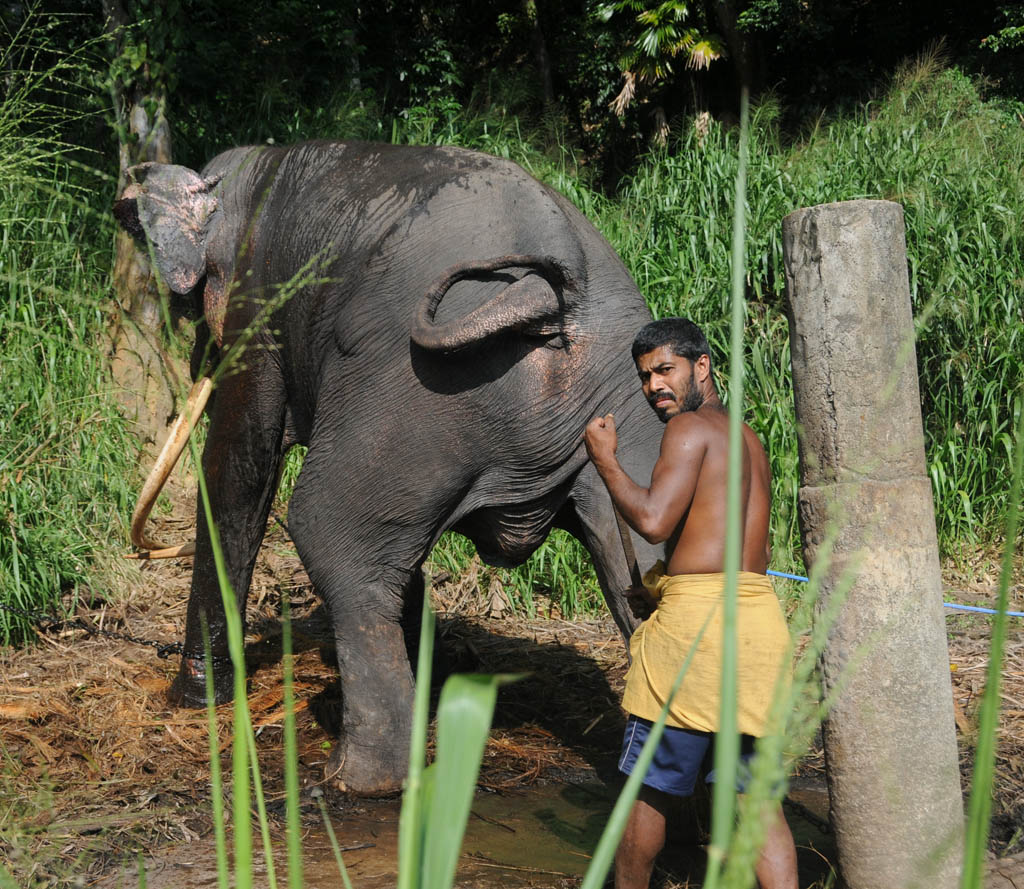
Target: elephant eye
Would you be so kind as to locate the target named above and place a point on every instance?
(554, 339)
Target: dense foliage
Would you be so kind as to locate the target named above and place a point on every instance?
(931, 139)
(66, 458)
(235, 71)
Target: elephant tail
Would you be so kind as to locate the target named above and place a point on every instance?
(535, 303)
(158, 475)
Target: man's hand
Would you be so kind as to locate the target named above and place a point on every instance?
(640, 602)
(600, 438)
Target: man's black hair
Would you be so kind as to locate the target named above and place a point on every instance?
(684, 337)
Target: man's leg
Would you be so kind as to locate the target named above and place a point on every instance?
(776, 865)
(642, 840)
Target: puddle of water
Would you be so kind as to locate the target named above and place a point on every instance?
(539, 837)
(536, 837)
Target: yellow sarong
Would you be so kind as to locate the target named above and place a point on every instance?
(660, 645)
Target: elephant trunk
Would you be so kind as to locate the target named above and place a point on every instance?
(535, 303)
(158, 475)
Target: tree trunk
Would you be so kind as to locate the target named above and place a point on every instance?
(743, 47)
(147, 380)
(866, 513)
(540, 52)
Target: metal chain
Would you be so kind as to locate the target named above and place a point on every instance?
(800, 809)
(46, 622)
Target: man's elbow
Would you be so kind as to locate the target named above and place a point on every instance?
(653, 529)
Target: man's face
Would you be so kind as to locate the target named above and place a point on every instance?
(668, 382)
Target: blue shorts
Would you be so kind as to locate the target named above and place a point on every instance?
(679, 757)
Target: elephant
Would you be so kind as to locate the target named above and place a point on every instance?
(437, 327)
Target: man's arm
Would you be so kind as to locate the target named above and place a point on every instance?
(653, 512)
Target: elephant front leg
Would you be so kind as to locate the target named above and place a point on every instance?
(206, 611)
(240, 462)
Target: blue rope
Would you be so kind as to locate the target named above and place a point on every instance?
(946, 604)
(982, 610)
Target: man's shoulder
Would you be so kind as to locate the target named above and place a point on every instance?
(684, 420)
(754, 440)
(692, 426)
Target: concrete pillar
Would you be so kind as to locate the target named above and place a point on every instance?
(866, 503)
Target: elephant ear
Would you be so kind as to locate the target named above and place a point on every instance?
(535, 303)
(172, 207)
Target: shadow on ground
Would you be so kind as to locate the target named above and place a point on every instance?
(550, 765)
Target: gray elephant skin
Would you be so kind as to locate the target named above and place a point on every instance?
(437, 327)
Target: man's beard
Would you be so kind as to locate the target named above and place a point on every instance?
(692, 399)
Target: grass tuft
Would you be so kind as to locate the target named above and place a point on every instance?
(66, 467)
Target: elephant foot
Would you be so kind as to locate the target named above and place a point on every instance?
(189, 686)
(371, 770)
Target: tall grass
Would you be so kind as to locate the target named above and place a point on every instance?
(558, 580)
(932, 143)
(65, 475)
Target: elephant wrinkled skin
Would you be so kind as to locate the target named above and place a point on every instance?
(438, 328)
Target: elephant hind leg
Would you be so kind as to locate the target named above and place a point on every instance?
(371, 757)
(365, 601)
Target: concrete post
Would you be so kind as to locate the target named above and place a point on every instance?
(866, 504)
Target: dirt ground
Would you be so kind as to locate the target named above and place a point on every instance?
(97, 768)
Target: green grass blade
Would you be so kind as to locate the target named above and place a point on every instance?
(727, 741)
(241, 817)
(216, 785)
(411, 826)
(463, 723)
(240, 813)
(980, 805)
(334, 843)
(291, 755)
(261, 805)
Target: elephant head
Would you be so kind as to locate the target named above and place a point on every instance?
(172, 208)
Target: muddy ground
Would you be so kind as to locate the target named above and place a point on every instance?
(97, 768)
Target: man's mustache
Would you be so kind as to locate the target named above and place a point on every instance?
(655, 397)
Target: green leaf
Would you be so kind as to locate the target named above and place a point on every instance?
(463, 722)
(6, 880)
(411, 820)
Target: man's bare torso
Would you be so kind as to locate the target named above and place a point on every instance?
(697, 443)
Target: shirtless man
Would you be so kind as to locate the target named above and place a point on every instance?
(685, 506)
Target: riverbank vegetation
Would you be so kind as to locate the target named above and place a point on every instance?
(930, 138)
